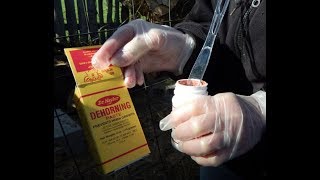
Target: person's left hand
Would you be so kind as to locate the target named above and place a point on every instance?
(143, 47)
(215, 129)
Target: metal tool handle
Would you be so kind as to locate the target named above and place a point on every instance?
(200, 66)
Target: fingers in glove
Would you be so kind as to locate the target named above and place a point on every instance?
(130, 76)
(123, 35)
(202, 146)
(139, 73)
(197, 126)
(139, 46)
(214, 159)
(181, 114)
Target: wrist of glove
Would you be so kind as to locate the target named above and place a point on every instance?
(215, 129)
(143, 47)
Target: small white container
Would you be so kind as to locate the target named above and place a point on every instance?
(187, 89)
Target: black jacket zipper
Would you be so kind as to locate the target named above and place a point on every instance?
(242, 38)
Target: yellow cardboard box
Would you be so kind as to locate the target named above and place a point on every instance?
(107, 114)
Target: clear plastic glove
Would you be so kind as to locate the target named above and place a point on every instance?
(140, 47)
(215, 129)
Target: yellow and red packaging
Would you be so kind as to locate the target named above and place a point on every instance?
(107, 114)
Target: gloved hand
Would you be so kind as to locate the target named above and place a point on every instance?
(140, 46)
(215, 129)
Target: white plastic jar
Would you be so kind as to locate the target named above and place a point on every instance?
(186, 89)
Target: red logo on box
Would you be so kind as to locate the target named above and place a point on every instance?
(107, 100)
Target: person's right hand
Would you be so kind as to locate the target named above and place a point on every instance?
(140, 46)
(216, 129)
